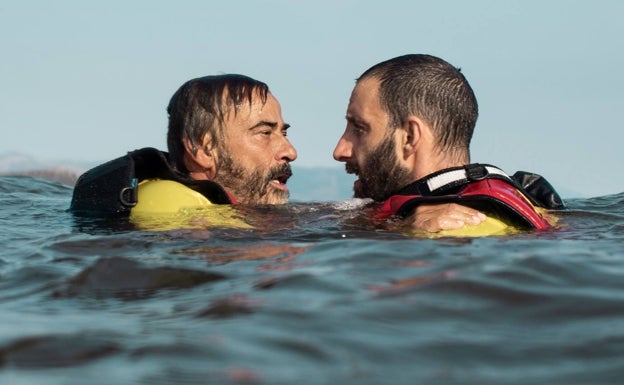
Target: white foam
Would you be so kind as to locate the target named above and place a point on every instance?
(351, 204)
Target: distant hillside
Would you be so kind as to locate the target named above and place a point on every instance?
(65, 172)
(57, 174)
(12, 162)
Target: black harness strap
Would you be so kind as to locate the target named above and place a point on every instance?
(110, 189)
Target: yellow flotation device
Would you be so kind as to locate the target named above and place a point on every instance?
(489, 227)
(167, 205)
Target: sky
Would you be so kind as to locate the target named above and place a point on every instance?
(89, 81)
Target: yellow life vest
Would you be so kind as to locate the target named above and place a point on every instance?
(167, 205)
(489, 227)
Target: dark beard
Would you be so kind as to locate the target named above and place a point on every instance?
(252, 188)
(381, 175)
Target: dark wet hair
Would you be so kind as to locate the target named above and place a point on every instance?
(432, 89)
(199, 107)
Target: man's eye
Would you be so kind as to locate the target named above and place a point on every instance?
(358, 130)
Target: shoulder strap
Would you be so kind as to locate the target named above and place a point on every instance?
(110, 189)
(450, 180)
(154, 164)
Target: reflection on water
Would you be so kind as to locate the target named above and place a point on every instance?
(315, 294)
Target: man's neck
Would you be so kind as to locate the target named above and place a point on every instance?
(431, 164)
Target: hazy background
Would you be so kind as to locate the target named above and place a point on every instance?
(87, 81)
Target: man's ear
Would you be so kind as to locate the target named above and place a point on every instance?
(415, 131)
(200, 160)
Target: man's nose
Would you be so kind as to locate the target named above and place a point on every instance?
(343, 150)
(287, 151)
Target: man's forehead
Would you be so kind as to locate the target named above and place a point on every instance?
(244, 108)
(368, 85)
(241, 100)
(249, 114)
(365, 97)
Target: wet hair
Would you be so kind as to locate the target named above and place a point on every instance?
(200, 106)
(432, 89)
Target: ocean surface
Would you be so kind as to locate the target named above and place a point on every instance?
(313, 295)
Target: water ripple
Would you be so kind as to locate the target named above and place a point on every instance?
(127, 279)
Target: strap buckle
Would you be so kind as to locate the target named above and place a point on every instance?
(476, 172)
(128, 196)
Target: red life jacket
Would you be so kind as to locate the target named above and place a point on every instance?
(483, 187)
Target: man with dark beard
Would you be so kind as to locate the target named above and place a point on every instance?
(410, 120)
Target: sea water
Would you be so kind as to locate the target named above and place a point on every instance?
(311, 296)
